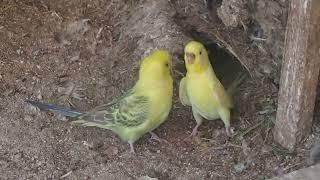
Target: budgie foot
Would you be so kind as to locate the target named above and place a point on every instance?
(131, 148)
(155, 137)
(194, 132)
(229, 131)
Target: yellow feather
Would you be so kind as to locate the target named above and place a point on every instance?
(206, 94)
(155, 83)
(183, 96)
(141, 110)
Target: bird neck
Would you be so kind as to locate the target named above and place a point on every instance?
(198, 68)
(155, 81)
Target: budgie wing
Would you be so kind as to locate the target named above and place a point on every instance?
(128, 111)
(220, 95)
(183, 96)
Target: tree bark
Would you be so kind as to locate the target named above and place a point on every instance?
(299, 74)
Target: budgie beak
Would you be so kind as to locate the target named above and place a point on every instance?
(190, 58)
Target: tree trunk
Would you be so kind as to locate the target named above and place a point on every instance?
(299, 74)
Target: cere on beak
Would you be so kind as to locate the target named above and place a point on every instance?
(190, 57)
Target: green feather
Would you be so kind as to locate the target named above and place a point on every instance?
(127, 111)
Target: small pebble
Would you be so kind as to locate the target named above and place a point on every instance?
(19, 51)
(239, 167)
(28, 118)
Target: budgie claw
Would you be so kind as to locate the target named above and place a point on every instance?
(155, 137)
(132, 151)
(229, 131)
(194, 132)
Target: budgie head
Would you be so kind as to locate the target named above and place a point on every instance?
(196, 57)
(156, 66)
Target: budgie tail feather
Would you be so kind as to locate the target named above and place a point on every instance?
(232, 89)
(54, 108)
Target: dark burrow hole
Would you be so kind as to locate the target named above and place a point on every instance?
(226, 66)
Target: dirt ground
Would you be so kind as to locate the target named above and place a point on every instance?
(84, 53)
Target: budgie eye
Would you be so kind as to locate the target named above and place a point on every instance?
(167, 64)
(200, 52)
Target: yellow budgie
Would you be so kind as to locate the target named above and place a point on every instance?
(141, 110)
(202, 90)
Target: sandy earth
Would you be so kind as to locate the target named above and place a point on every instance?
(84, 53)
